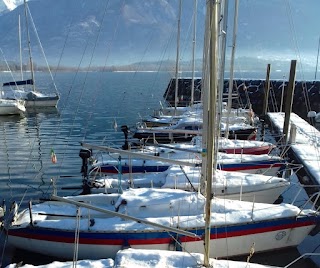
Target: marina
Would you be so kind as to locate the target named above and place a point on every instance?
(98, 175)
(40, 145)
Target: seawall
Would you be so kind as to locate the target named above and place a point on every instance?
(306, 94)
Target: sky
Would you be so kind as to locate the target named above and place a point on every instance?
(279, 29)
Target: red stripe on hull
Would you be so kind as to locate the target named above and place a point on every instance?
(166, 240)
(253, 150)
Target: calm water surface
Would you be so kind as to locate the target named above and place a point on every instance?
(90, 105)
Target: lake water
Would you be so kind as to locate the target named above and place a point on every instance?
(90, 105)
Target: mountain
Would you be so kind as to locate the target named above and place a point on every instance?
(99, 32)
(109, 32)
(8, 5)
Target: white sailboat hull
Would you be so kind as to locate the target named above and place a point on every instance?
(37, 99)
(10, 107)
(241, 245)
(269, 195)
(41, 103)
(33, 98)
(220, 247)
(236, 226)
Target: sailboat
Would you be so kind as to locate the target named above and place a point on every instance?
(230, 185)
(187, 127)
(11, 107)
(160, 160)
(26, 88)
(144, 218)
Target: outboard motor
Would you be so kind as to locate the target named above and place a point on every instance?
(85, 154)
(125, 131)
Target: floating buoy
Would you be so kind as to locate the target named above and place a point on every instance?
(53, 157)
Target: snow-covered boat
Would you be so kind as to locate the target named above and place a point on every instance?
(11, 107)
(156, 219)
(230, 185)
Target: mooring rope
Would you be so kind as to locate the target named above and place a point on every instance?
(76, 239)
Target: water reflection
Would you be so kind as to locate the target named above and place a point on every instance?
(22, 149)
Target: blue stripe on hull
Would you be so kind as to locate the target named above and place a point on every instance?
(157, 237)
(134, 169)
(161, 168)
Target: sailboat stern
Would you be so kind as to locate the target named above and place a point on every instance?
(240, 240)
(36, 99)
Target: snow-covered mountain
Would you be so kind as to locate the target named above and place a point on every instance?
(100, 32)
(9, 5)
(105, 32)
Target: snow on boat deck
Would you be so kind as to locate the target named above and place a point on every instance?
(307, 143)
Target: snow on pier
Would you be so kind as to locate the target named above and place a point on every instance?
(305, 145)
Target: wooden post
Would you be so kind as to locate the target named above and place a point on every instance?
(266, 92)
(293, 134)
(289, 100)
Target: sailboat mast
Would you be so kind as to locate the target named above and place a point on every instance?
(223, 21)
(315, 74)
(212, 7)
(29, 44)
(193, 49)
(234, 38)
(177, 59)
(20, 49)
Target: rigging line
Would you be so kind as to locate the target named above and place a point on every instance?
(295, 43)
(273, 98)
(162, 56)
(60, 59)
(185, 174)
(63, 47)
(171, 72)
(11, 73)
(32, 146)
(42, 50)
(9, 173)
(187, 34)
(315, 73)
(89, 66)
(4, 243)
(162, 59)
(113, 38)
(79, 99)
(143, 55)
(239, 99)
(76, 238)
(67, 100)
(5, 142)
(6, 222)
(115, 31)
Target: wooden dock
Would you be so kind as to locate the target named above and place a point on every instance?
(304, 144)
